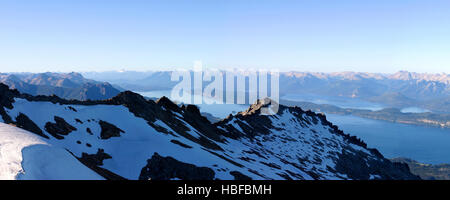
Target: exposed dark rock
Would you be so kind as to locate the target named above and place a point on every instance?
(60, 128)
(259, 124)
(356, 165)
(225, 158)
(246, 159)
(22, 121)
(166, 168)
(72, 108)
(6, 118)
(6, 99)
(257, 173)
(211, 118)
(272, 165)
(109, 130)
(7, 96)
(88, 130)
(93, 161)
(181, 144)
(239, 176)
(168, 104)
(285, 176)
(193, 116)
(151, 111)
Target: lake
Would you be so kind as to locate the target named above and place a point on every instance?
(217, 110)
(343, 102)
(424, 144)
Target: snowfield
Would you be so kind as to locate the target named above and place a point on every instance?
(131, 150)
(24, 155)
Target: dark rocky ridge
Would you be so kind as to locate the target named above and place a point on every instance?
(22, 121)
(261, 124)
(166, 168)
(138, 105)
(353, 163)
(109, 130)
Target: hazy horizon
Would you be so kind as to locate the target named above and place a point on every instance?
(321, 36)
(165, 70)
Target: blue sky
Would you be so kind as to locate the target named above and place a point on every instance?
(309, 35)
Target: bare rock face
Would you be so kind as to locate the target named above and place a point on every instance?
(166, 168)
(167, 103)
(6, 100)
(7, 96)
(239, 176)
(109, 130)
(22, 121)
(95, 159)
(60, 128)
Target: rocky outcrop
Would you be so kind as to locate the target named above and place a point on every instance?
(165, 102)
(167, 168)
(94, 161)
(6, 99)
(22, 121)
(181, 144)
(109, 130)
(60, 128)
(239, 176)
(356, 165)
(7, 96)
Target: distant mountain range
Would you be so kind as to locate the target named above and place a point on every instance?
(399, 90)
(135, 81)
(64, 85)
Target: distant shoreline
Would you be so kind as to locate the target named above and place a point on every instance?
(388, 114)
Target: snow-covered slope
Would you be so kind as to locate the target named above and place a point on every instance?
(24, 155)
(129, 137)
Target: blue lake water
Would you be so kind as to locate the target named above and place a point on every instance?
(217, 110)
(343, 102)
(421, 143)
